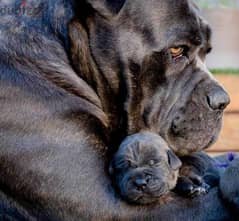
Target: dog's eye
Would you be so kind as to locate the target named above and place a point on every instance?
(151, 162)
(131, 164)
(177, 51)
(128, 163)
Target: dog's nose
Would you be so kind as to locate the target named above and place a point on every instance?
(218, 99)
(141, 183)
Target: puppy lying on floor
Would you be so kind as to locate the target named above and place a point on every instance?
(144, 169)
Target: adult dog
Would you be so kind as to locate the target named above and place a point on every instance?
(69, 96)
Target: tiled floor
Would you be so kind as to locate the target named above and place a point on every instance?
(229, 137)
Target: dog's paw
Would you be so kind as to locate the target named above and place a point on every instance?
(199, 190)
(188, 188)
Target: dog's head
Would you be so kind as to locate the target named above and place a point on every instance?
(144, 168)
(150, 60)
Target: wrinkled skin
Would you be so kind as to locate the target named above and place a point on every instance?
(166, 95)
(58, 121)
(144, 168)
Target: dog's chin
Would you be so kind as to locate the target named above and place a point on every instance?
(146, 200)
(142, 199)
(148, 196)
(192, 140)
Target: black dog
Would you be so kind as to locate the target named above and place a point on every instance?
(68, 98)
(144, 168)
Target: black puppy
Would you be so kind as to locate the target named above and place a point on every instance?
(144, 168)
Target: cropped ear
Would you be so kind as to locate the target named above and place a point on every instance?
(107, 8)
(174, 162)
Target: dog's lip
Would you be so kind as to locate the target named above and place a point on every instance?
(160, 194)
(184, 152)
(210, 142)
(167, 134)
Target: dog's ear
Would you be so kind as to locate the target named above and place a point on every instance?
(107, 8)
(80, 52)
(174, 162)
(81, 58)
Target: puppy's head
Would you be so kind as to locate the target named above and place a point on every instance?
(144, 168)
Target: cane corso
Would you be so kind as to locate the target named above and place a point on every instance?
(144, 169)
(76, 78)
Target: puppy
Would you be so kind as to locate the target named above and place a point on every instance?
(144, 169)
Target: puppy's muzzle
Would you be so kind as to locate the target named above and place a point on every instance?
(142, 183)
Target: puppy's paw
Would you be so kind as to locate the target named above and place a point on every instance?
(188, 188)
(198, 191)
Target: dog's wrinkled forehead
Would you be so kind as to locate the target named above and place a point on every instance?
(143, 146)
(165, 23)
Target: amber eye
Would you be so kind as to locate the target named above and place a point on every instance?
(176, 51)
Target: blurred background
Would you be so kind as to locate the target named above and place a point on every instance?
(223, 16)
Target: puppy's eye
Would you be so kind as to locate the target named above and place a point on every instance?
(131, 164)
(151, 162)
(177, 52)
(128, 163)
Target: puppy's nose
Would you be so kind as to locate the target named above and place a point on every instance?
(218, 99)
(141, 183)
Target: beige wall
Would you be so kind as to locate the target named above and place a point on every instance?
(225, 25)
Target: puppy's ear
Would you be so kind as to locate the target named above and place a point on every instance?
(107, 8)
(174, 162)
